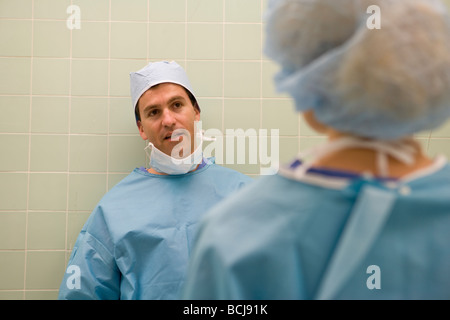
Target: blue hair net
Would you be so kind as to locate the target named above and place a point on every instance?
(156, 73)
(381, 83)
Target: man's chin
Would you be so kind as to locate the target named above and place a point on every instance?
(170, 148)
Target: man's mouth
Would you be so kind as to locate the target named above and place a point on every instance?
(173, 136)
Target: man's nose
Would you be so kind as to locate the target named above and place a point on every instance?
(168, 118)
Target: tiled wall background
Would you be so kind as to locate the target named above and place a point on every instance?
(67, 131)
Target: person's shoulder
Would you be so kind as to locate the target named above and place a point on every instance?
(225, 171)
(444, 173)
(124, 184)
(265, 195)
(435, 178)
(256, 207)
(252, 197)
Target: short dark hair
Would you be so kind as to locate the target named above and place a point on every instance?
(190, 95)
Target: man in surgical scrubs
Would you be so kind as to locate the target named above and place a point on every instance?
(137, 241)
(367, 214)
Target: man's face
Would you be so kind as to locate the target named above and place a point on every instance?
(163, 109)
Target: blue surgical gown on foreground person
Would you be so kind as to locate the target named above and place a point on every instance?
(136, 242)
(330, 235)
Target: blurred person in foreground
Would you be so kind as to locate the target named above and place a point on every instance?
(367, 214)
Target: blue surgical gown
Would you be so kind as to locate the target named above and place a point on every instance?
(136, 242)
(327, 237)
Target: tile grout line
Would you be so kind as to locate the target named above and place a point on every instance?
(108, 125)
(66, 238)
(185, 32)
(149, 47)
(29, 153)
(261, 74)
(223, 65)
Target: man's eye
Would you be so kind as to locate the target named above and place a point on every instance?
(153, 113)
(177, 104)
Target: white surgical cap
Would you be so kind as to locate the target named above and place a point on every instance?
(156, 73)
(381, 83)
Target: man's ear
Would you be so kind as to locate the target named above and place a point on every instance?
(197, 114)
(141, 130)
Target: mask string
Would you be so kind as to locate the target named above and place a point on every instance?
(382, 164)
(202, 136)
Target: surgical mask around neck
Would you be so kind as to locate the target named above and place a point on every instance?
(163, 163)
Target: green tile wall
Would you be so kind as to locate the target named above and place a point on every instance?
(67, 131)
